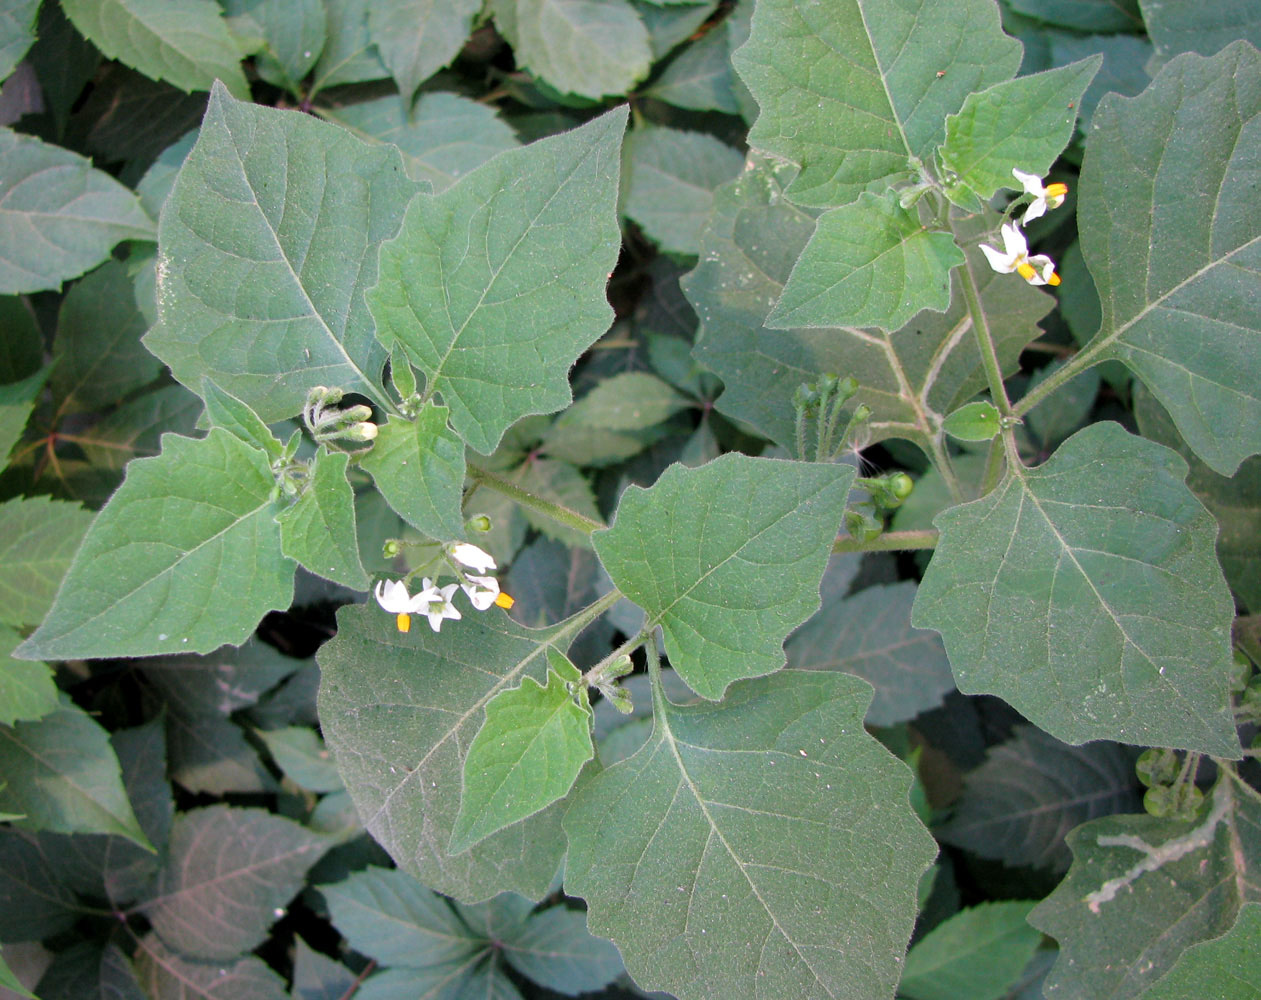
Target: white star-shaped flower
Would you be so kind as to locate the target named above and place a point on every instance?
(483, 591)
(440, 605)
(1051, 196)
(392, 595)
(1038, 270)
(471, 556)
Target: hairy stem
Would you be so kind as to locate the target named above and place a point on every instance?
(890, 541)
(981, 327)
(557, 512)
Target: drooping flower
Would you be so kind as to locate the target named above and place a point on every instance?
(1037, 270)
(440, 605)
(1051, 196)
(471, 556)
(483, 591)
(392, 595)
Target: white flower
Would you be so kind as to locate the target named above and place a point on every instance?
(482, 591)
(440, 605)
(1039, 270)
(1051, 196)
(472, 557)
(392, 595)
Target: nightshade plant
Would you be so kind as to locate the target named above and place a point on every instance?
(335, 303)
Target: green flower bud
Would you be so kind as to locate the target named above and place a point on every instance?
(1157, 766)
(391, 548)
(479, 523)
(1159, 801)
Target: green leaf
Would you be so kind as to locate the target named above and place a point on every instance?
(8, 980)
(202, 566)
(134, 429)
(522, 271)
(27, 691)
(1124, 59)
(166, 975)
(1086, 593)
(294, 35)
(1031, 791)
(701, 78)
(318, 977)
(184, 42)
(300, 753)
(62, 775)
(213, 903)
(870, 636)
(416, 38)
(554, 949)
(627, 401)
(442, 137)
(318, 529)
(399, 712)
(1228, 966)
(36, 904)
(390, 917)
(754, 848)
(38, 537)
(527, 754)
(578, 47)
(267, 243)
(97, 349)
(850, 90)
(727, 559)
(418, 465)
(349, 55)
(977, 954)
(1235, 503)
(17, 34)
(869, 263)
(670, 179)
(22, 347)
(90, 968)
(1083, 15)
(224, 410)
(1186, 27)
(1158, 886)
(909, 377)
(1169, 274)
(979, 421)
(17, 401)
(61, 216)
(562, 484)
(1023, 123)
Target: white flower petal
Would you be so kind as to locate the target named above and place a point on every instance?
(392, 596)
(998, 260)
(1036, 209)
(472, 557)
(1014, 243)
(1032, 183)
(482, 591)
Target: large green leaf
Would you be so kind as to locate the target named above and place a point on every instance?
(34, 901)
(184, 42)
(184, 558)
(495, 286)
(869, 263)
(418, 465)
(1230, 964)
(293, 33)
(62, 775)
(349, 55)
(727, 559)
(585, 47)
(1178, 275)
(1087, 594)
(763, 847)
(910, 378)
(266, 245)
(1084, 15)
(443, 136)
(1021, 803)
(701, 78)
(670, 179)
(527, 755)
(318, 529)
(165, 974)
(38, 537)
(17, 402)
(1204, 28)
(416, 38)
(99, 355)
(399, 711)
(1143, 890)
(59, 216)
(213, 901)
(1024, 123)
(852, 90)
(554, 949)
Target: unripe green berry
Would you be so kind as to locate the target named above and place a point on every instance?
(1157, 766)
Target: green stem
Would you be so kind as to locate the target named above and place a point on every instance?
(981, 327)
(1071, 368)
(890, 541)
(945, 468)
(557, 512)
(576, 622)
(993, 466)
(595, 675)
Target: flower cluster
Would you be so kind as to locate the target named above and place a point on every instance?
(1038, 269)
(434, 602)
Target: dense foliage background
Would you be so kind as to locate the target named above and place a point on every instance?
(743, 231)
